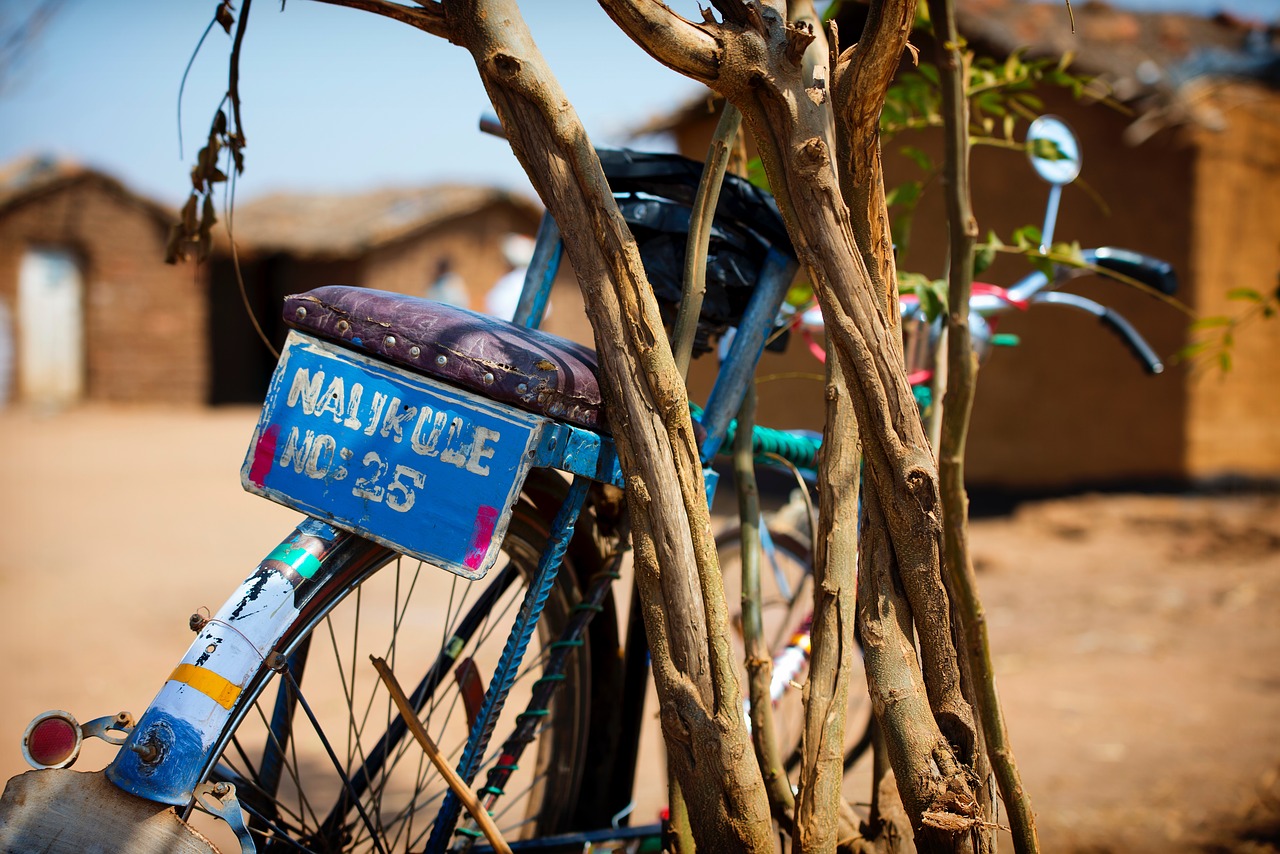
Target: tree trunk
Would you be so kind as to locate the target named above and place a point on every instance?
(683, 603)
(753, 60)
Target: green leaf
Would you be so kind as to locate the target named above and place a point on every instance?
(1224, 361)
(1216, 322)
(755, 173)
(983, 257)
(801, 293)
(905, 194)
(1247, 294)
(1191, 350)
(1027, 237)
(1042, 264)
(918, 157)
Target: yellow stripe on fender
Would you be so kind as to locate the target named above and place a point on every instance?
(222, 690)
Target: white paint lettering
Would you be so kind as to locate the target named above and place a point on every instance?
(306, 388)
(480, 451)
(324, 446)
(397, 414)
(375, 412)
(353, 406)
(423, 448)
(450, 453)
(335, 400)
(296, 451)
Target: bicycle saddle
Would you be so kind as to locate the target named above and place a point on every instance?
(535, 371)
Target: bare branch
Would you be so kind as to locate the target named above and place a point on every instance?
(677, 43)
(429, 18)
(860, 80)
(799, 37)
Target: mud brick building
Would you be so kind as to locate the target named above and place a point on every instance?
(1189, 171)
(88, 309)
(391, 240)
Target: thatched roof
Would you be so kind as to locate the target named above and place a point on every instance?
(1145, 58)
(1151, 60)
(33, 177)
(348, 225)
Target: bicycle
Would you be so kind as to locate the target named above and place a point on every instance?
(421, 402)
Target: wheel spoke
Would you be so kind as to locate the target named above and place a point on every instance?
(384, 795)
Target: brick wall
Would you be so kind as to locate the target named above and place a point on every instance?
(1068, 407)
(472, 245)
(144, 321)
(1234, 425)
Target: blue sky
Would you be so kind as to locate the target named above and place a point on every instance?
(334, 99)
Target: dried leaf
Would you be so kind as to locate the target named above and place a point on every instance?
(224, 16)
(189, 220)
(174, 250)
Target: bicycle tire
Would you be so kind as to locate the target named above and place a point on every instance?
(782, 614)
(307, 805)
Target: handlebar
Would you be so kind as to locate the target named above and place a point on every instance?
(1114, 321)
(1146, 269)
(1039, 288)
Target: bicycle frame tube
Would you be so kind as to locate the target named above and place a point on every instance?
(541, 274)
(173, 746)
(739, 368)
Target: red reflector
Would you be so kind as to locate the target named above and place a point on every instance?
(52, 742)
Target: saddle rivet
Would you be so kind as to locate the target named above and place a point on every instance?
(441, 360)
(343, 326)
(301, 312)
(415, 351)
(389, 341)
(522, 388)
(488, 378)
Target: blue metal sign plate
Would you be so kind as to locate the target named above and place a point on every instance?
(422, 467)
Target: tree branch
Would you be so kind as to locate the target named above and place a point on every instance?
(677, 43)
(682, 599)
(789, 120)
(430, 18)
(759, 664)
(961, 383)
(860, 80)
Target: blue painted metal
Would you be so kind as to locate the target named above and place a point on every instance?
(578, 451)
(512, 654)
(179, 747)
(538, 279)
(739, 368)
(374, 449)
(182, 732)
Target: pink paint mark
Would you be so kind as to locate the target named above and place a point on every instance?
(264, 453)
(486, 521)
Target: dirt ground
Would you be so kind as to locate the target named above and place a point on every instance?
(1136, 637)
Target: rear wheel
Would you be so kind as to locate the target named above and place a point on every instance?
(324, 763)
(786, 592)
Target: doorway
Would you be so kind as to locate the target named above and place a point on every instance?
(50, 327)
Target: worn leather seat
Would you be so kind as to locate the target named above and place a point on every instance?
(535, 371)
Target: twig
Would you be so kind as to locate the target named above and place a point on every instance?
(961, 378)
(460, 788)
(758, 662)
(699, 239)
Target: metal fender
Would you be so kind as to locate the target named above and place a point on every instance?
(60, 810)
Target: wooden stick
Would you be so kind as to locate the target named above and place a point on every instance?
(459, 786)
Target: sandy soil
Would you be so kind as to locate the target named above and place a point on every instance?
(1136, 637)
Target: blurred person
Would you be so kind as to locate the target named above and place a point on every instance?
(504, 296)
(448, 286)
